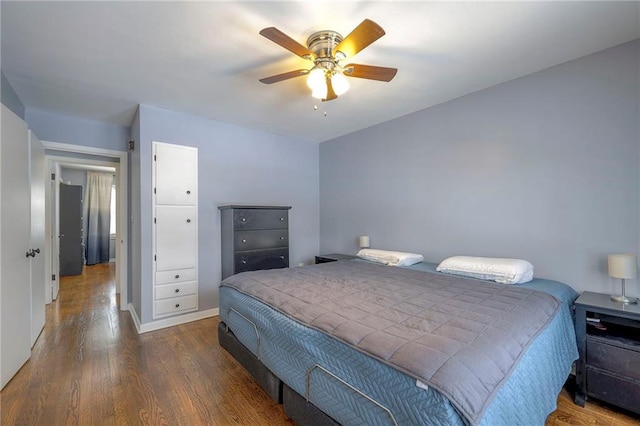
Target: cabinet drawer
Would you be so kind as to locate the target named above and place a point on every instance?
(255, 240)
(176, 276)
(620, 361)
(261, 259)
(247, 219)
(173, 290)
(176, 304)
(614, 390)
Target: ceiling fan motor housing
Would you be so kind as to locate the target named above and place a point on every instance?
(322, 43)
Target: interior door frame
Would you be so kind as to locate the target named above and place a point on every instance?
(55, 162)
(37, 183)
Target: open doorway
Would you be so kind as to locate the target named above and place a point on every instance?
(64, 161)
(87, 216)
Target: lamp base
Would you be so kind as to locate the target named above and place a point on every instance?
(624, 299)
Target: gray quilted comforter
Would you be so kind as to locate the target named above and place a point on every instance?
(461, 336)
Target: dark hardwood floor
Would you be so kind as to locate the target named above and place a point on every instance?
(90, 367)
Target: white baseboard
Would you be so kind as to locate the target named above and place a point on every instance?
(134, 317)
(170, 322)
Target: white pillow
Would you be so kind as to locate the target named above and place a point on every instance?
(388, 257)
(505, 271)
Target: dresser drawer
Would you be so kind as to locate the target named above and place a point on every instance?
(247, 219)
(172, 290)
(261, 259)
(614, 390)
(620, 361)
(263, 239)
(176, 276)
(176, 304)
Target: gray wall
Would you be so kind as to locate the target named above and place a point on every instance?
(74, 177)
(9, 97)
(543, 168)
(236, 166)
(77, 131)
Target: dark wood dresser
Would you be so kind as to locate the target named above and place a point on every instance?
(253, 238)
(608, 336)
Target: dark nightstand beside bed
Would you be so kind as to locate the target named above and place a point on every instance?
(333, 257)
(608, 336)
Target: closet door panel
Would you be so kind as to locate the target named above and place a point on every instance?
(176, 236)
(176, 174)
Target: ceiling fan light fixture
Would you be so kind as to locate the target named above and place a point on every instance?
(340, 83)
(326, 49)
(320, 92)
(316, 78)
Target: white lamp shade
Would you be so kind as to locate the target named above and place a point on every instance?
(339, 83)
(316, 79)
(622, 266)
(363, 240)
(320, 92)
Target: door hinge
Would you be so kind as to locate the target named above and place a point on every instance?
(154, 257)
(154, 157)
(53, 277)
(154, 190)
(154, 220)
(53, 176)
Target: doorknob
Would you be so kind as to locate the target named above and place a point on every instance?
(61, 236)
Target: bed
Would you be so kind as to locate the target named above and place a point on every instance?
(334, 359)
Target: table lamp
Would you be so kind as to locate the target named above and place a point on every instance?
(363, 241)
(623, 266)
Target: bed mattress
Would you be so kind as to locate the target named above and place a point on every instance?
(355, 388)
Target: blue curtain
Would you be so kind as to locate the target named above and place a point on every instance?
(98, 211)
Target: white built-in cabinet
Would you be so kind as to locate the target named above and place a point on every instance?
(175, 222)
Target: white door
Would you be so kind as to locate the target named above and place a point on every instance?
(176, 237)
(176, 174)
(38, 283)
(15, 325)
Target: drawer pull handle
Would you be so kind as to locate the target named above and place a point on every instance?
(281, 219)
(188, 220)
(188, 192)
(282, 238)
(243, 219)
(244, 261)
(177, 290)
(244, 241)
(177, 276)
(282, 257)
(177, 305)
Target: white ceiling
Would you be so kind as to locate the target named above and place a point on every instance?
(98, 60)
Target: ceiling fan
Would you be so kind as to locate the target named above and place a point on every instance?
(327, 49)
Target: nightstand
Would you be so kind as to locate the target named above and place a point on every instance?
(333, 257)
(608, 336)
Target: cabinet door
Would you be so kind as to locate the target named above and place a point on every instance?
(176, 174)
(176, 237)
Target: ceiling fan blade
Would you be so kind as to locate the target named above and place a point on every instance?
(283, 76)
(362, 36)
(370, 72)
(331, 95)
(278, 37)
